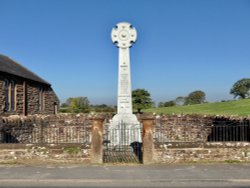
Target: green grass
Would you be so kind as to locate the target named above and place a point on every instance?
(72, 150)
(239, 107)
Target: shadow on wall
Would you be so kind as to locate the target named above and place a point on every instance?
(6, 137)
(229, 130)
(137, 149)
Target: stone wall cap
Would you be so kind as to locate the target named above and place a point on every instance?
(147, 117)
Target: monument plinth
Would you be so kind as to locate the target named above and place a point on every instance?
(124, 36)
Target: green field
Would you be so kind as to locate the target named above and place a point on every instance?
(239, 107)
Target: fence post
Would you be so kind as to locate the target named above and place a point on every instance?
(96, 153)
(147, 140)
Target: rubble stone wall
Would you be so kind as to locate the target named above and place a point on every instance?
(61, 128)
(62, 138)
(45, 154)
(28, 99)
(184, 138)
(210, 152)
(67, 137)
(182, 128)
(191, 128)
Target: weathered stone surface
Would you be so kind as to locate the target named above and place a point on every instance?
(37, 131)
(97, 141)
(147, 141)
(28, 99)
(189, 128)
(218, 153)
(63, 128)
(33, 153)
(184, 138)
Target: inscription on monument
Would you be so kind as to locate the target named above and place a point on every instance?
(124, 84)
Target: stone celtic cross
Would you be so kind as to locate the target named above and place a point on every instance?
(124, 35)
(125, 123)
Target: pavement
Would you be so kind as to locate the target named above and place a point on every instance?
(125, 176)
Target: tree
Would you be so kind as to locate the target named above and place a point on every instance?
(169, 103)
(166, 104)
(195, 97)
(180, 101)
(241, 88)
(77, 104)
(102, 108)
(141, 99)
(161, 104)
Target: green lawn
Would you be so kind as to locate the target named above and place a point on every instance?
(239, 107)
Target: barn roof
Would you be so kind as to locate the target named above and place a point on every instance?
(9, 66)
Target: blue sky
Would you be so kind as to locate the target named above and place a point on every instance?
(182, 46)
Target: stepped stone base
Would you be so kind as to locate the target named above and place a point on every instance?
(124, 129)
(126, 118)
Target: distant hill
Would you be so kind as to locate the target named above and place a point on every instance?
(239, 107)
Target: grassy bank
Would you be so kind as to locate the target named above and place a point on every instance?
(239, 107)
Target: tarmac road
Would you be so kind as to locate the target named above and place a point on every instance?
(174, 175)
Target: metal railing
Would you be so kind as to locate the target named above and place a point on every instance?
(217, 131)
(229, 132)
(122, 143)
(49, 135)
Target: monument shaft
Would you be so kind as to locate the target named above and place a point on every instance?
(124, 101)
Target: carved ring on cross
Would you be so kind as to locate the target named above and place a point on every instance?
(123, 35)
